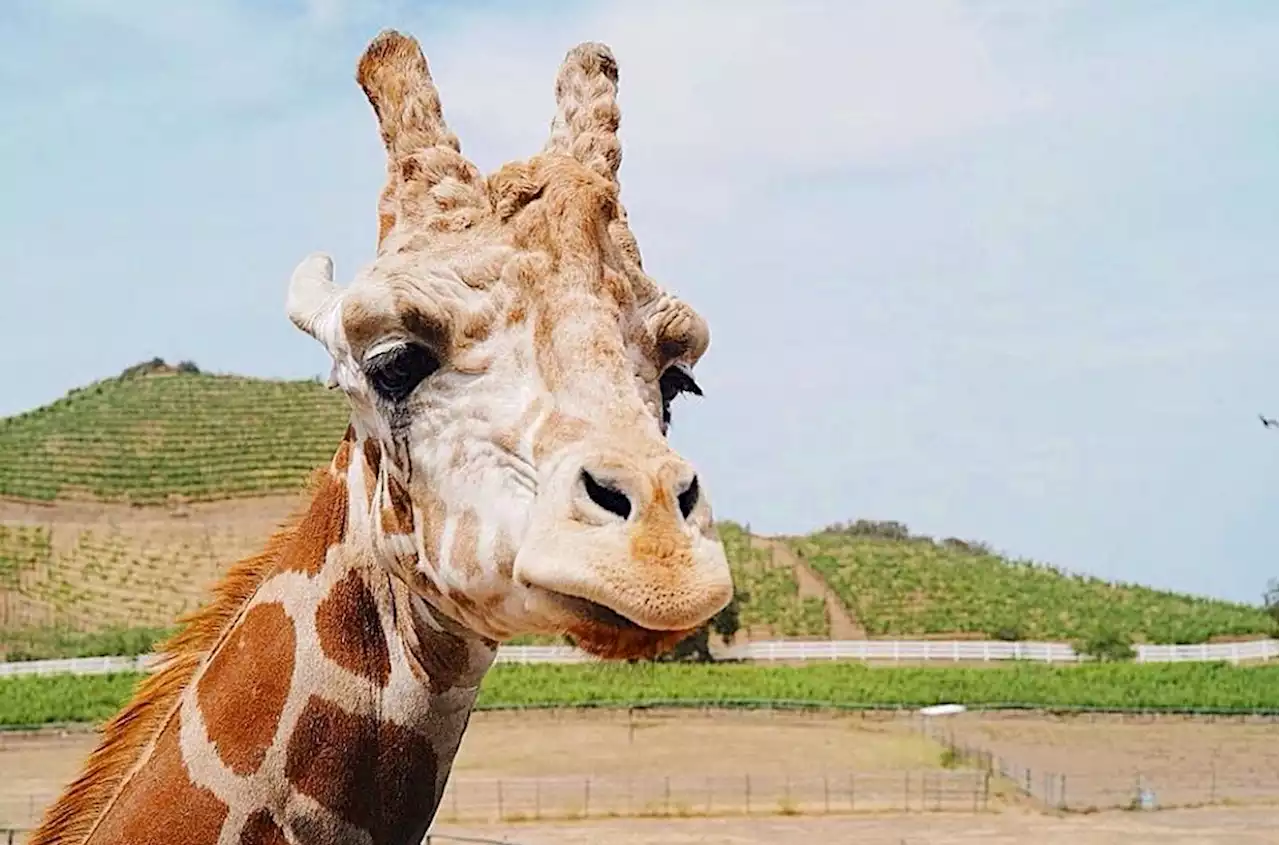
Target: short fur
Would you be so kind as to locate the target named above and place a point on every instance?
(130, 734)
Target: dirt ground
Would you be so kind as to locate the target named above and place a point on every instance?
(1210, 826)
(706, 742)
(790, 771)
(1106, 759)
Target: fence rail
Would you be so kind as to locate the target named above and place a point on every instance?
(776, 650)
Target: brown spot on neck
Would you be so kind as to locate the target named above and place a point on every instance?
(373, 775)
(261, 829)
(324, 525)
(397, 515)
(372, 466)
(160, 803)
(242, 692)
(342, 458)
(350, 630)
(444, 657)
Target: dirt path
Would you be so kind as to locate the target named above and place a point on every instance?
(813, 585)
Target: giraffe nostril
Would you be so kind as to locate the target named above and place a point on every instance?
(689, 498)
(610, 498)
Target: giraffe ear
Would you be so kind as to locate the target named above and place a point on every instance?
(313, 298)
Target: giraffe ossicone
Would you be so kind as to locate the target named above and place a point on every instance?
(510, 369)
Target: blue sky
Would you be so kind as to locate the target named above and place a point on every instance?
(998, 270)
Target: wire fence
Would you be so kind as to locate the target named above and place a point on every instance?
(551, 798)
(1133, 789)
(685, 795)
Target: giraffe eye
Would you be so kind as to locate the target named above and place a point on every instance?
(395, 373)
(675, 380)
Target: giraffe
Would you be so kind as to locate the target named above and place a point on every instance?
(510, 369)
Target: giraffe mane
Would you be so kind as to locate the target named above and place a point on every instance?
(129, 735)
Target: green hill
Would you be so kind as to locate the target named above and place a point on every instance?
(901, 585)
(157, 433)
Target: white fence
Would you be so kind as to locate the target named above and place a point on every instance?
(904, 650)
(776, 650)
(1233, 652)
(988, 650)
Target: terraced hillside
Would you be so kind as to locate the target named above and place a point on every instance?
(162, 435)
(121, 502)
(125, 568)
(772, 606)
(907, 586)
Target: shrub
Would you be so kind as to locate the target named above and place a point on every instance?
(1108, 646)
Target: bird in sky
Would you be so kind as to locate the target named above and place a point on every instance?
(1269, 423)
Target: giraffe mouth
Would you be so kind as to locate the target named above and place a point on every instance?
(602, 631)
(597, 613)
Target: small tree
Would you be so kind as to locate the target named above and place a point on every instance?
(697, 646)
(1271, 598)
(1107, 645)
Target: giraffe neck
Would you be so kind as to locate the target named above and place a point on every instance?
(330, 710)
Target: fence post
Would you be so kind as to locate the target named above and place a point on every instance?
(1213, 781)
(666, 786)
(906, 791)
(537, 798)
(748, 793)
(826, 795)
(709, 801)
(586, 797)
(852, 802)
(500, 799)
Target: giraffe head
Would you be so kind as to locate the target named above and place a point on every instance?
(511, 370)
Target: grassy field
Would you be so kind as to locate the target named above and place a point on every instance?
(912, 586)
(53, 643)
(221, 459)
(33, 700)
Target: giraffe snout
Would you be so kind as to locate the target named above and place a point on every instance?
(633, 537)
